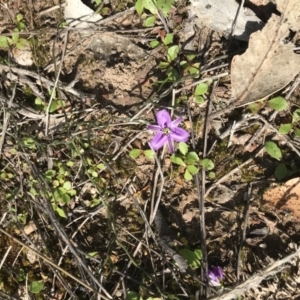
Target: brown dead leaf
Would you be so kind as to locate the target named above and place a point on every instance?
(269, 63)
(286, 196)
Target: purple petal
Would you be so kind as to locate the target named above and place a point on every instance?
(176, 122)
(154, 127)
(171, 144)
(179, 134)
(219, 272)
(158, 141)
(212, 276)
(163, 118)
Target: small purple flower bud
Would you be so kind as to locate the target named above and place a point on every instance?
(215, 276)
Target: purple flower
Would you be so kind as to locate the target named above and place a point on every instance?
(167, 131)
(215, 276)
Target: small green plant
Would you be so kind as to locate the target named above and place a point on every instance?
(190, 66)
(15, 39)
(62, 188)
(154, 7)
(135, 153)
(94, 169)
(200, 90)
(273, 150)
(190, 162)
(192, 257)
(36, 287)
(283, 171)
(55, 104)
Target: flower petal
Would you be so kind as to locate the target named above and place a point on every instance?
(158, 141)
(171, 144)
(179, 134)
(163, 118)
(154, 127)
(219, 272)
(176, 122)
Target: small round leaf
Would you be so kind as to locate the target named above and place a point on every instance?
(149, 153)
(192, 169)
(183, 148)
(187, 175)
(177, 160)
(207, 164)
(36, 286)
(285, 128)
(134, 153)
(273, 150)
(278, 103)
(201, 89)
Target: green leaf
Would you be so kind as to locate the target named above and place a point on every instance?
(207, 164)
(211, 175)
(67, 185)
(165, 6)
(273, 150)
(21, 43)
(38, 101)
(192, 258)
(187, 175)
(198, 253)
(50, 174)
(53, 106)
(278, 103)
(132, 296)
(254, 107)
(139, 7)
(163, 64)
(150, 5)
(183, 148)
(190, 57)
(94, 174)
(194, 71)
(191, 158)
(4, 43)
(150, 21)
(154, 44)
(70, 163)
(36, 286)
(101, 167)
(19, 17)
(72, 192)
(172, 53)
(21, 26)
(168, 39)
(199, 99)
(201, 89)
(281, 171)
(135, 153)
(61, 212)
(64, 199)
(15, 36)
(177, 160)
(296, 115)
(285, 128)
(172, 74)
(91, 254)
(149, 153)
(297, 132)
(192, 169)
